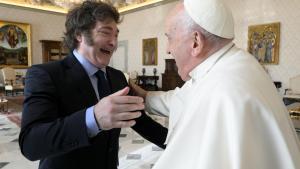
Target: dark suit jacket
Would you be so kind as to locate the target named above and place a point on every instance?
(53, 127)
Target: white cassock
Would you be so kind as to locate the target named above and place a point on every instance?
(229, 115)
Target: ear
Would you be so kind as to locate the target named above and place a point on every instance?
(198, 41)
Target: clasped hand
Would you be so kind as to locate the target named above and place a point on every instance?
(118, 110)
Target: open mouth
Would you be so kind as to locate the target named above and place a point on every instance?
(106, 51)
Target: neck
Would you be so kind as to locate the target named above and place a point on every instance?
(213, 47)
(209, 49)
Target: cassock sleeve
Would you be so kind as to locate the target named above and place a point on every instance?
(158, 102)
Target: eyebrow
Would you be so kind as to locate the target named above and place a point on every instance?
(109, 28)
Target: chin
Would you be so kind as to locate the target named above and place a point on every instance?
(181, 76)
(103, 63)
(185, 78)
(106, 63)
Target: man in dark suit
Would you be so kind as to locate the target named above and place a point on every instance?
(74, 108)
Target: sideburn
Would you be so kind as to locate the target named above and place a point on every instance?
(88, 37)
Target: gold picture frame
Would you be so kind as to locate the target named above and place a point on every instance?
(15, 44)
(263, 42)
(150, 51)
(124, 6)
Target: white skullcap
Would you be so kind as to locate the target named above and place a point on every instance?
(211, 15)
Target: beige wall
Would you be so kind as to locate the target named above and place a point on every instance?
(149, 23)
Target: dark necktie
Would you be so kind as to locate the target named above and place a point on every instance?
(102, 84)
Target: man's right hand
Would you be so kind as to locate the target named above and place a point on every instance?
(118, 110)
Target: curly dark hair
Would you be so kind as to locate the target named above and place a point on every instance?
(82, 19)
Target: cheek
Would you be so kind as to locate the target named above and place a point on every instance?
(182, 58)
(97, 42)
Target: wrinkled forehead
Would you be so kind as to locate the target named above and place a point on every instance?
(173, 18)
(176, 11)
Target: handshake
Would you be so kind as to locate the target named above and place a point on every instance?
(119, 110)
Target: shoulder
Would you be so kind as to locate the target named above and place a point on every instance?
(114, 71)
(56, 67)
(46, 68)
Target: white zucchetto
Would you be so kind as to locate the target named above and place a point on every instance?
(211, 15)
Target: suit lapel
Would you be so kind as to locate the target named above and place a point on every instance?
(115, 81)
(81, 80)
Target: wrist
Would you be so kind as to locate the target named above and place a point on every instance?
(95, 116)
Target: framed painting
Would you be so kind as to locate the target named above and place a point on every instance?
(15, 44)
(150, 51)
(263, 42)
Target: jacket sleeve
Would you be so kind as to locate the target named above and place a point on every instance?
(151, 130)
(45, 131)
(158, 102)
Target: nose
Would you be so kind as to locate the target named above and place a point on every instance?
(113, 42)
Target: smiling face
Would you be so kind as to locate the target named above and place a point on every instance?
(103, 42)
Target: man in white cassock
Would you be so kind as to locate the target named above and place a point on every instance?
(228, 114)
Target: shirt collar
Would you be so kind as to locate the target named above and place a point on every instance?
(87, 65)
(203, 68)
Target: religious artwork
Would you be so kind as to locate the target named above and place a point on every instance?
(263, 42)
(63, 6)
(15, 47)
(150, 51)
